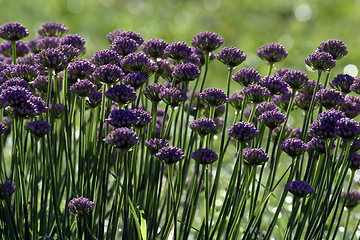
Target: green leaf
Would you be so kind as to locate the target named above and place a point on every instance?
(143, 225)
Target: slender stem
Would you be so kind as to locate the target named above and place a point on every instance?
(13, 51)
(271, 65)
(346, 224)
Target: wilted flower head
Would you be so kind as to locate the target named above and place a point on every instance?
(7, 189)
(236, 100)
(185, 72)
(254, 157)
(320, 61)
(213, 96)
(275, 84)
(122, 118)
(342, 82)
(299, 188)
(329, 98)
(104, 57)
(124, 45)
(231, 56)
(272, 119)
(243, 131)
(173, 96)
(83, 88)
(272, 52)
(108, 74)
(122, 138)
(122, 94)
(336, 48)
(293, 147)
(21, 48)
(13, 31)
(52, 29)
(351, 106)
(152, 92)
(154, 48)
(155, 144)
(256, 93)
(203, 126)
(38, 128)
(246, 76)
(207, 41)
(170, 155)
(347, 128)
(80, 206)
(207, 156)
(178, 51)
(296, 79)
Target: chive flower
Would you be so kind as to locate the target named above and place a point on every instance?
(275, 84)
(154, 48)
(299, 188)
(7, 189)
(342, 83)
(124, 45)
(272, 119)
(83, 88)
(329, 98)
(351, 106)
(256, 93)
(122, 118)
(347, 128)
(203, 126)
(155, 144)
(52, 29)
(170, 155)
(296, 79)
(13, 31)
(213, 96)
(122, 94)
(336, 48)
(320, 61)
(207, 41)
(293, 147)
(108, 74)
(80, 206)
(173, 96)
(254, 157)
(243, 131)
(153, 91)
(178, 51)
(185, 72)
(207, 156)
(272, 52)
(122, 138)
(231, 56)
(104, 57)
(246, 76)
(38, 128)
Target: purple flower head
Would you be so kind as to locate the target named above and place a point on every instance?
(122, 118)
(94, 99)
(74, 40)
(275, 84)
(351, 106)
(207, 156)
(329, 98)
(152, 92)
(155, 144)
(124, 45)
(122, 94)
(80, 206)
(342, 82)
(283, 100)
(139, 62)
(303, 101)
(144, 118)
(52, 58)
(70, 52)
(231, 56)
(108, 74)
(164, 69)
(173, 96)
(352, 200)
(347, 129)
(185, 72)
(236, 100)
(170, 155)
(41, 83)
(299, 188)
(80, 69)
(256, 93)
(213, 96)
(207, 41)
(354, 161)
(264, 107)
(281, 71)
(57, 110)
(243, 131)
(32, 44)
(21, 49)
(336, 48)
(297, 133)
(246, 76)
(14, 96)
(254, 157)
(293, 147)
(105, 57)
(122, 138)
(121, 33)
(3, 128)
(310, 86)
(272, 119)
(13, 31)
(7, 189)
(325, 126)
(296, 79)
(136, 80)
(193, 59)
(355, 87)
(52, 29)
(178, 51)
(320, 61)
(47, 42)
(319, 145)
(24, 71)
(154, 48)
(203, 126)
(14, 82)
(34, 106)
(83, 88)
(38, 128)
(272, 52)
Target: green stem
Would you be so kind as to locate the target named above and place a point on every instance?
(13, 51)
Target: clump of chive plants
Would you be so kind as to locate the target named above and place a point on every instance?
(129, 144)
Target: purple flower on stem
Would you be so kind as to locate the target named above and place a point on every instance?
(13, 31)
(83, 88)
(69, 51)
(122, 138)
(7, 189)
(355, 87)
(347, 129)
(236, 100)
(122, 94)
(38, 128)
(319, 145)
(170, 155)
(173, 96)
(207, 156)
(231, 56)
(105, 57)
(275, 84)
(351, 106)
(207, 41)
(21, 49)
(281, 71)
(264, 107)
(52, 29)
(144, 118)
(336, 48)
(299, 188)
(121, 33)
(352, 200)
(256, 93)
(80, 206)
(246, 76)
(185, 72)
(296, 79)
(74, 40)
(325, 126)
(272, 52)
(320, 61)
(342, 83)
(293, 147)
(152, 92)
(329, 98)
(57, 110)
(213, 96)
(122, 118)
(154, 48)
(53, 59)
(14, 96)
(243, 131)
(24, 71)
(354, 161)
(80, 69)
(155, 144)
(254, 157)
(178, 51)
(272, 119)
(283, 100)
(203, 126)
(124, 45)
(164, 69)
(139, 62)
(310, 86)
(47, 42)
(136, 80)
(14, 82)
(108, 74)
(303, 101)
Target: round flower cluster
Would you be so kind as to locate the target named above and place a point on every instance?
(275, 84)
(155, 144)
(122, 118)
(231, 56)
(213, 96)
(203, 126)
(104, 57)
(347, 129)
(329, 98)
(154, 48)
(272, 119)
(13, 31)
(21, 48)
(336, 48)
(299, 188)
(351, 106)
(256, 93)
(246, 76)
(108, 74)
(255, 156)
(342, 82)
(121, 94)
(354, 161)
(124, 45)
(173, 96)
(296, 79)
(243, 131)
(236, 100)
(122, 138)
(272, 52)
(207, 156)
(325, 126)
(293, 147)
(207, 41)
(7, 189)
(52, 29)
(170, 155)
(83, 88)
(38, 128)
(264, 107)
(80, 206)
(185, 72)
(178, 51)
(143, 116)
(153, 91)
(320, 61)
(352, 199)
(136, 80)
(319, 145)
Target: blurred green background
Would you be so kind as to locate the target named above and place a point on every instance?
(247, 24)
